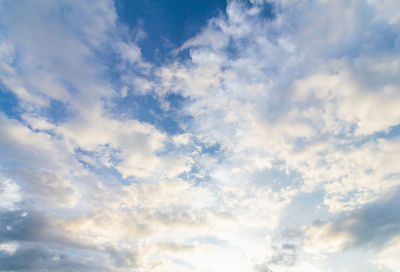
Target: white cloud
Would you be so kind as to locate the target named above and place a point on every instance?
(8, 248)
(387, 10)
(307, 108)
(129, 52)
(181, 139)
(48, 69)
(311, 92)
(388, 256)
(321, 239)
(10, 194)
(46, 167)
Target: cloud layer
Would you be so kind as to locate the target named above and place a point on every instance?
(266, 142)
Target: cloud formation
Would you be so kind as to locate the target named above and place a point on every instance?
(266, 142)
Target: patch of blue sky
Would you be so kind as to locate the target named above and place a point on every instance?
(197, 174)
(384, 39)
(58, 112)
(107, 174)
(9, 103)
(113, 176)
(390, 133)
(166, 23)
(267, 11)
(150, 109)
(211, 149)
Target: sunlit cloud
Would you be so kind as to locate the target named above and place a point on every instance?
(251, 136)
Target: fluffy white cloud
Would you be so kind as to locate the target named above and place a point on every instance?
(10, 194)
(309, 107)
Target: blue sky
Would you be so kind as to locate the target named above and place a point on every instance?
(243, 136)
(166, 24)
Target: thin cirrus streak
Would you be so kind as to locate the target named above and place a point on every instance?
(250, 136)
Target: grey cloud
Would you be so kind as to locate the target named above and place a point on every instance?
(370, 226)
(23, 226)
(284, 255)
(123, 257)
(374, 224)
(25, 259)
(37, 227)
(44, 244)
(285, 249)
(47, 258)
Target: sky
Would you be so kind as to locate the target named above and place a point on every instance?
(202, 136)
